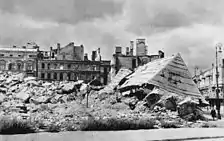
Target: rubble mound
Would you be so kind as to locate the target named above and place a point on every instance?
(67, 106)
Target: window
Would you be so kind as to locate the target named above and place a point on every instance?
(43, 65)
(10, 55)
(11, 66)
(42, 75)
(61, 76)
(30, 66)
(19, 55)
(2, 55)
(55, 75)
(32, 56)
(48, 66)
(19, 66)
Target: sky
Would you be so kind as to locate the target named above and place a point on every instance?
(189, 27)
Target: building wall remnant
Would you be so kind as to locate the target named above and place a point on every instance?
(131, 61)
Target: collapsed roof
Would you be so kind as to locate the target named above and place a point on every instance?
(170, 74)
(122, 73)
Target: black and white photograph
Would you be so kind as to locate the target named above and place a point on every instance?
(111, 70)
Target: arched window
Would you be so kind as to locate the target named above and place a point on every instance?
(11, 66)
(19, 66)
(29, 65)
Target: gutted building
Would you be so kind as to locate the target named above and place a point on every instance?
(131, 61)
(62, 63)
(70, 63)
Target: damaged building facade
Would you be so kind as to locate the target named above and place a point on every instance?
(206, 80)
(18, 59)
(62, 63)
(130, 60)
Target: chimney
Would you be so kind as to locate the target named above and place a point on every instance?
(14, 46)
(127, 51)
(93, 55)
(98, 55)
(131, 47)
(51, 52)
(86, 57)
(58, 47)
(118, 50)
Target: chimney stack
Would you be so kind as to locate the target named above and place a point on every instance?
(51, 52)
(58, 47)
(98, 55)
(86, 57)
(118, 50)
(127, 51)
(93, 55)
(131, 47)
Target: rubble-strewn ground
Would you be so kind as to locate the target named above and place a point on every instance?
(62, 106)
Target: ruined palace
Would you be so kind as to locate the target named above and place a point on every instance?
(60, 63)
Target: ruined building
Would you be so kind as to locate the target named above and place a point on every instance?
(130, 60)
(18, 59)
(206, 80)
(62, 63)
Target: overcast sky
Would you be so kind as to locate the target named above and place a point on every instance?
(190, 27)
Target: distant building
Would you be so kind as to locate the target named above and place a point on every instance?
(70, 63)
(63, 63)
(206, 80)
(131, 61)
(18, 59)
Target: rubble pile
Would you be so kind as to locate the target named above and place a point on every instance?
(142, 94)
